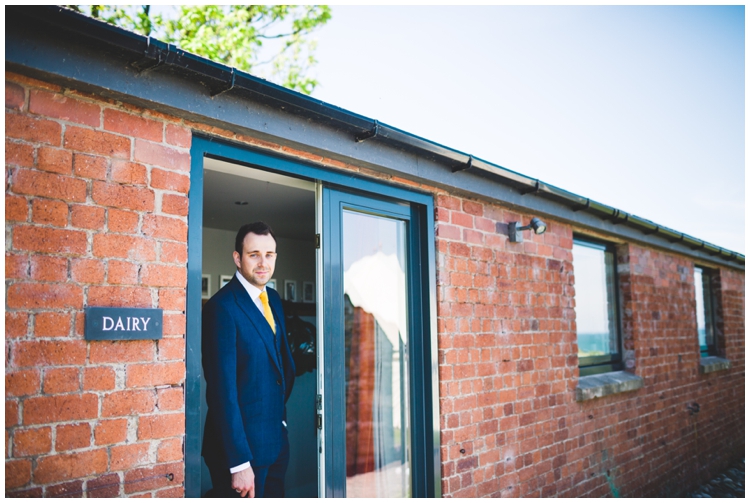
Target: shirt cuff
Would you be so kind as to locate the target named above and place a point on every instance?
(243, 466)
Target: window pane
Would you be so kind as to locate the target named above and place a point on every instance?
(700, 309)
(596, 314)
(377, 404)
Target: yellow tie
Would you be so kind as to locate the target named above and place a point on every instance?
(267, 310)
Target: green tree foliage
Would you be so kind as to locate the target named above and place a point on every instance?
(270, 41)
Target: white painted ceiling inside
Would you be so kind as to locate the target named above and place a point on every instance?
(286, 204)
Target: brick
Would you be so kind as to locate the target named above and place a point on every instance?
(46, 268)
(16, 266)
(172, 492)
(48, 240)
(22, 383)
(123, 196)
(154, 477)
(160, 155)
(16, 325)
(97, 142)
(11, 414)
(22, 127)
(111, 431)
(87, 271)
(65, 108)
(19, 154)
(16, 208)
(123, 457)
(170, 399)
(163, 275)
(165, 228)
(155, 374)
(122, 221)
(161, 426)
(179, 136)
(122, 273)
(129, 173)
(56, 468)
(172, 349)
(52, 324)
(168, 180)
(98, 379)
(128, 403)
(61, 380)
(172, 299)
(121, 351)
(45, 211)
(53, 186)
(55, 160)
(173, 252)
(90, 166)
(169, 450)
(32, 442)
(53, 409)
(106, 486)
(119, 296)
(174, 204)
(72, 489)
(15, 96)
(473, 208)
(87, 217)
(121, 246)
(72, 436)
(17, 473)
(34, 492)
(56, 352)
(174, 324)
(133, 125)
(44, 296)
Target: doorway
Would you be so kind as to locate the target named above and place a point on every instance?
(234, 195)
(366, 420)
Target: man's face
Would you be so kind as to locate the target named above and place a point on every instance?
(258, 259)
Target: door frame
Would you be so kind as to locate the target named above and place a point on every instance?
(425, 367)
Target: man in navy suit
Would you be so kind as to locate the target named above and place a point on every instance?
(249, 375)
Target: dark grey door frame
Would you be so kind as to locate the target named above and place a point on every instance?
(423, 372)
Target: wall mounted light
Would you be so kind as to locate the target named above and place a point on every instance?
(515, 230)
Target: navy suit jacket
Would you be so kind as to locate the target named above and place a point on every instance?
(248, 380)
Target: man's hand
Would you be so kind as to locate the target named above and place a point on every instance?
(244, 482)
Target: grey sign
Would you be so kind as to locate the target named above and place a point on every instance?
(123, 323)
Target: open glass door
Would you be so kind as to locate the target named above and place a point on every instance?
(372, 313)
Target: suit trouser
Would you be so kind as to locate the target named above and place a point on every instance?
(269, 480)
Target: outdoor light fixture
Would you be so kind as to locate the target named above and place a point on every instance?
(515, 229)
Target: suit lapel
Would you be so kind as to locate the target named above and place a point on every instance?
(262, 328)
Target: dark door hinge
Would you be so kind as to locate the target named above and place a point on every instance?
(317, 241)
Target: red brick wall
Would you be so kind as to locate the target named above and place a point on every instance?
(96, 212)
(510, 425)
(96, 215)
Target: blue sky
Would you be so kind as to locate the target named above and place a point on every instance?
(640, 108)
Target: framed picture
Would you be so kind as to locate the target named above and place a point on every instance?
(271, 284)
(224, 279)
(290, 290)
(205, 286)
(308, 291)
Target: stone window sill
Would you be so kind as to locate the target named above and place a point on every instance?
(610, 383)
(714, 364)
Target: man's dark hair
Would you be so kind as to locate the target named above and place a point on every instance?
(259, 228)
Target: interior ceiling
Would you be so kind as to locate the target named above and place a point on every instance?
(286, 204)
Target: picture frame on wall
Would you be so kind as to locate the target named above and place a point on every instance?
(224, 279)
(271, 284)
(205, 286)
(290, 290)
(308, 291)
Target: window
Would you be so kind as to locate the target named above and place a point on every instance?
(704, 312)
(597, 319)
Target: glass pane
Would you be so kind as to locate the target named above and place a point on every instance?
(377, 405)
(700, 309)
(596, 315)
